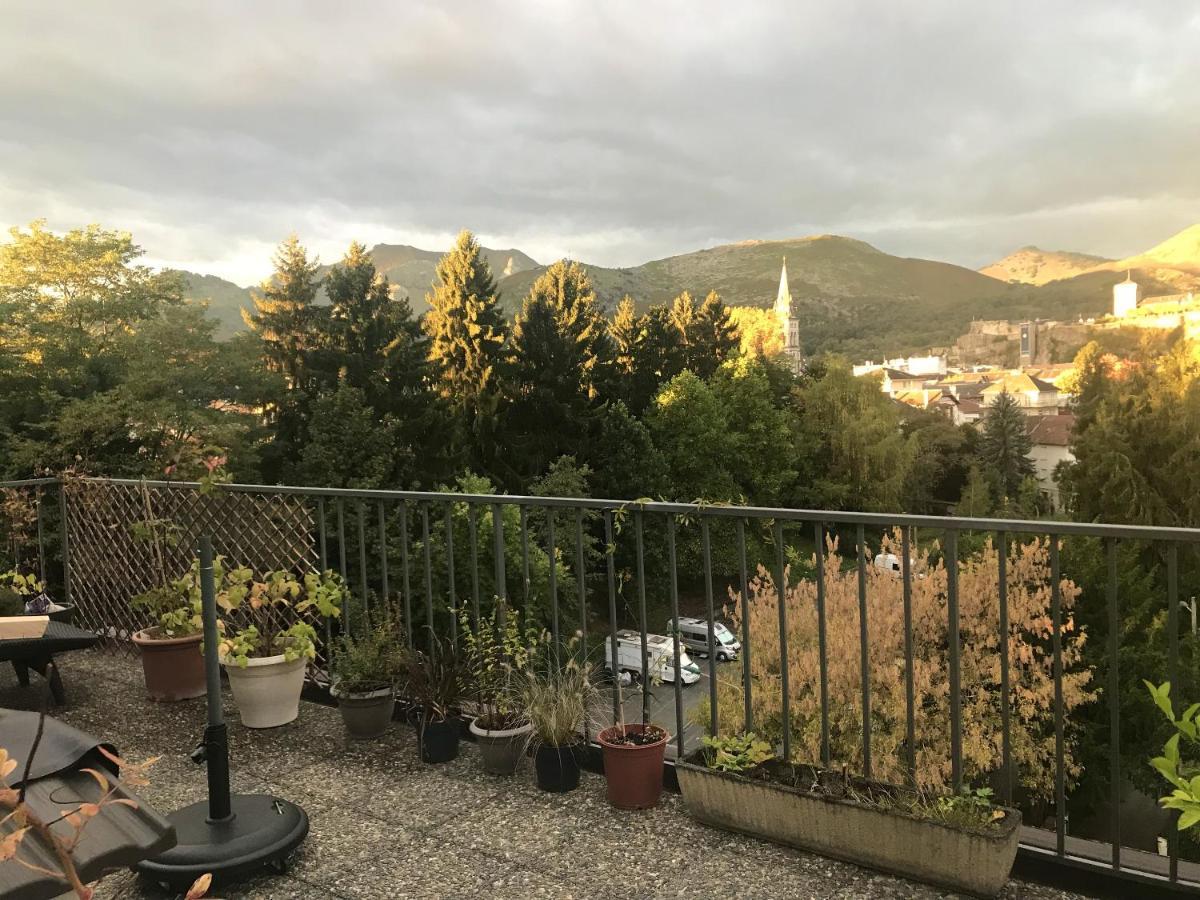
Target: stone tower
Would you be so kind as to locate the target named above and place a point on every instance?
(789, 323)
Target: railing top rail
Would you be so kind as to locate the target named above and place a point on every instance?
(721, 510)
(29, 482)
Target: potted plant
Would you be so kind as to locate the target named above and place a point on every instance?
(494, 654)
(366, 669)
(633, 758)
(25, 595)
(172, 663)
(555, 698)
(434, 680)
(961, 842)
(266, 656)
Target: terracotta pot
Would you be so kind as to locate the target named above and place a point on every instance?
(174, 667)
(366, 714)
(634, 772)
(501, 750)
(267, 689)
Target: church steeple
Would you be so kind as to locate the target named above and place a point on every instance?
(783, 300)
(789, 323)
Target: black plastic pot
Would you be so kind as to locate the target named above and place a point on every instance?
(557, 768)
(438, 740)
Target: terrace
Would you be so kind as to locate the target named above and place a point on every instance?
(385, 825)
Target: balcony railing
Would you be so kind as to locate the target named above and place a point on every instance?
(578, 565)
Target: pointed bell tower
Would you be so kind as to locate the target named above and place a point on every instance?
(789, 322)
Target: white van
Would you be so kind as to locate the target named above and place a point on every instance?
(693, 634)
(660, 657)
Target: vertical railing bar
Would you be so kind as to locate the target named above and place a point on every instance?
(674, 592)
(498, 563)
(472, 536)
(953, 639)
(748, 711)
(41, 537)
(781, 588)
(384, 580)
(1114, 712)
(428, 554)
(822, 642)
(451, 575)
(706, 542)
(323, 563)
(1173, 677)
(641, 581)
(581, 582)
(404, 574)
(910, 725)
(1060, 804)
(864, 647)
(340, 508)
(552, 552)
(362, 560)
(63, 540)
(1006, 771)
(524, 558)
(610, 549)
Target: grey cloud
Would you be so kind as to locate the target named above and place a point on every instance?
(617, 132)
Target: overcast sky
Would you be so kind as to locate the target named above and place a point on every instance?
(612, 132)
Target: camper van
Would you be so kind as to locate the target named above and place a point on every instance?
(660, 657)
(693, 634)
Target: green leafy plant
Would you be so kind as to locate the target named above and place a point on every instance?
(1183, 774)
(261, 605)
(736, 753)
(371, 660)
(24, 585)
(176, 604)
(496, 653)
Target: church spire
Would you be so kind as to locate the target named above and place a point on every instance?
(783, 300)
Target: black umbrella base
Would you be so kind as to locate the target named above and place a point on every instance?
(262, 832)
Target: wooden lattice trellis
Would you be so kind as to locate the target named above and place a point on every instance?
(112, 558)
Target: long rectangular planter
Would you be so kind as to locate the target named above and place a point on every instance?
(976, 862)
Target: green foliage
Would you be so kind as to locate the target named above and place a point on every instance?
(555, 694)
(284, 316)
(372, 659)
(1005, 445)
(736, 752)
(435, 679)
(1183, 774)
(496, 653)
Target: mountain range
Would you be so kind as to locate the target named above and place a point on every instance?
(851, 296)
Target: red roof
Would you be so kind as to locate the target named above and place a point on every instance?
(1052, 430)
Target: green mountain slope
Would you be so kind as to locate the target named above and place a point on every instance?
(225, 300)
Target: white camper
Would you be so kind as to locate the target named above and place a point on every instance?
(660, 657)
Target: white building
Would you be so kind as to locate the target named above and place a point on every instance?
(913, 365)
(789, 322)
(1051, 438)
(1125, 297)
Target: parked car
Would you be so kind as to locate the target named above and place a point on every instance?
(693, 634)
(660, 662)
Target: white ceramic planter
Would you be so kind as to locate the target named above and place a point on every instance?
(501, 751)
(267, 689)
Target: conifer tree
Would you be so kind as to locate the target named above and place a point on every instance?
(466, 344)
(284, 317)
(1004, 446)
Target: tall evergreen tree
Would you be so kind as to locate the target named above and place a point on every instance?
(561, 354)
(467, 333)
(713, 338)
(284, 316)
(1005, 445)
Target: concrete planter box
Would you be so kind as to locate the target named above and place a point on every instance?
(975, 862)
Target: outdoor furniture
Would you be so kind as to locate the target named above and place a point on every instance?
(38, 654)
(118, 837)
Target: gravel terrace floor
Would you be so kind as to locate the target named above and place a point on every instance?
(385, 826)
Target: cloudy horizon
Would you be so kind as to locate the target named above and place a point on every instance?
(614, 133)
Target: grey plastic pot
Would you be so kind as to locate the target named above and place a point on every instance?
(501, 751)
(367, 714)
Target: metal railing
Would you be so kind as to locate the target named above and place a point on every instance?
(375, 539)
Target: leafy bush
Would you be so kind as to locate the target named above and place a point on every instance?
(494, 654)
(370, 661)
(736, 753)
(1184, 774)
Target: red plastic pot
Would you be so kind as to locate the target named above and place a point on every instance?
(174, 667)
(634, 772)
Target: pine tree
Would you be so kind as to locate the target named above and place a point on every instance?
(561, 354)
(284, 317)
(466, 347)
(1004, 446)
(715, 336)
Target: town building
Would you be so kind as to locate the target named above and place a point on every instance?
(1051, 439)
(1034, 396)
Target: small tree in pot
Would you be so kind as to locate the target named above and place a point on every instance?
(366, 670)
(434, 682)
(266, 658)
(555, 695)
(494, 654)
(171, 659)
